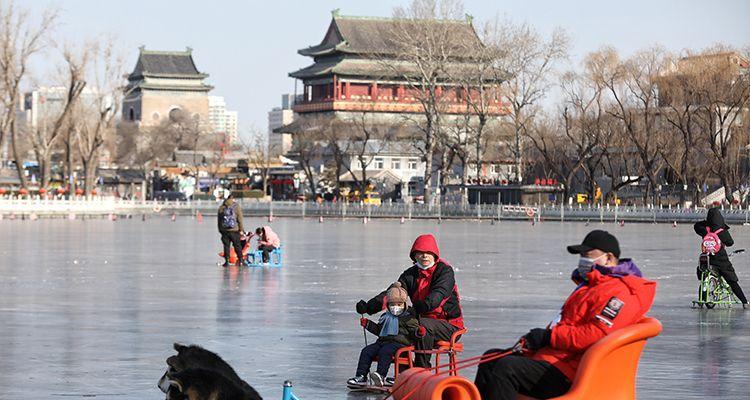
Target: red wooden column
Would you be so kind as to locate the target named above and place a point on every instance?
(346, 91)
(336, 89)
(374, 91)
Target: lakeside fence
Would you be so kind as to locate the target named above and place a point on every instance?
(12, 207)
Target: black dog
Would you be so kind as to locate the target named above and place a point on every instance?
(196, 374)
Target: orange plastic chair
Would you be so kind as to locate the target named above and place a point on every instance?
(452, 348)
(609, 368)
(402, 357)
(421, 384)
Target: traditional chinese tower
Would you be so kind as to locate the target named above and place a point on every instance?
(349, 71)
(164, 84)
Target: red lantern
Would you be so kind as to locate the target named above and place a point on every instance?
(79, 192)
(93, 192)
(544, 182)
(2, 191)
(536, 181)
(60, 190)
(42, 191)
(23, 192)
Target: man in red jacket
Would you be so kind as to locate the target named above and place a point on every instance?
(611, 294)
(433, 292)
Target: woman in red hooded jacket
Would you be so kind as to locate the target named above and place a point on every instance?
(432, 289)
(611, 294)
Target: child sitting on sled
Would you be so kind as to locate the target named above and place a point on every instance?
(396, 328)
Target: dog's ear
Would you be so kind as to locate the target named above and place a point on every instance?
(179, 347)
(175, 363)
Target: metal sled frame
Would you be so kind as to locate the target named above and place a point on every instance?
(713, 290)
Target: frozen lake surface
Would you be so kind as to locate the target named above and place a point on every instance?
(91, 308)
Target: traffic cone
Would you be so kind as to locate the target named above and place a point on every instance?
(403, 220)
(320, 219)
(270, 217)
(364, 220)
(33, 217)
(622, 222)
(174, 217)
(199, 217)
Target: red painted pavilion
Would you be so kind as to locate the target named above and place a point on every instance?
(351, 71)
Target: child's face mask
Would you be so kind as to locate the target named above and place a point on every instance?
(396, 309)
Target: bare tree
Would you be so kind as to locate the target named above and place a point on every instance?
(308, 144)
(424, 47)
(723, 98)
(632, 86)
(529, 60)
(258, 155)
(95, 120)
(20, 39)
(46, 134)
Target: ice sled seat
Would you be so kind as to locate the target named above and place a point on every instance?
(422, 384)
(255, 258)
(609, 368)
(607, 371)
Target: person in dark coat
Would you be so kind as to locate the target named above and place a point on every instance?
(431, 285)
(230, 227)
(715, 221)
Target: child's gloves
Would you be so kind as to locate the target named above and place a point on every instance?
(537, 338)
(361, 307)
(363, 322)
(421, 331)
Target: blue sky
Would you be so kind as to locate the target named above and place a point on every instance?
(249, 47)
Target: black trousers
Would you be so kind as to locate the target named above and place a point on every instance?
(383, 351)
(506, 377)
(728, 273)
(267, 249)
(437, 329)
(231, 238)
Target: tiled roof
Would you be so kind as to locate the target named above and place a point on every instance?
(362, 35)
(166, 63)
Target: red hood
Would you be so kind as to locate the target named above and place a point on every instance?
(425, 244)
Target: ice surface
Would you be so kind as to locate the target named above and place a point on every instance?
(91, 308)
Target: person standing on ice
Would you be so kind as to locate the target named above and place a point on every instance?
(432, 289)
(396, 328)
(230, 227)
(611, 294)
(715, 224)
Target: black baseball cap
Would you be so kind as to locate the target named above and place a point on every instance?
(597, 239)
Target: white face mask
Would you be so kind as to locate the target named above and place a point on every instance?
(585, 265)
(396, 310)
(420, 266)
